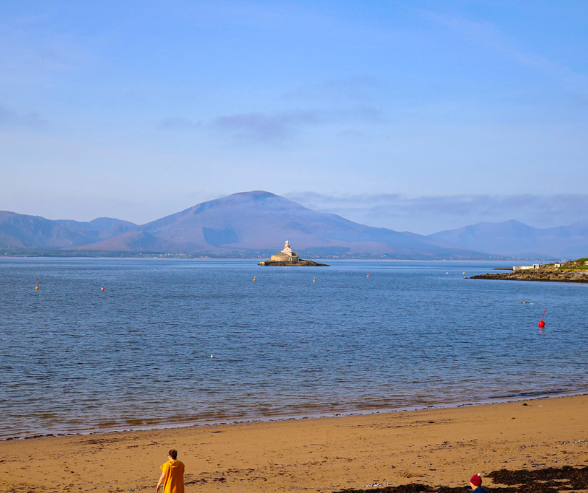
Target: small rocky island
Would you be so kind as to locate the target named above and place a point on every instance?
(572, 271)
(288, 258)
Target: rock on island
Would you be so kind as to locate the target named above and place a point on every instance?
(288, 258)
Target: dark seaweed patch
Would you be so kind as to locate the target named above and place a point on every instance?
(548, 480)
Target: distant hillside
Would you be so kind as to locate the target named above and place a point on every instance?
(105, 224)
(133, 241)
(23, 231)
(257, 223)
(247, 223)
(261, 220)
(515, 238)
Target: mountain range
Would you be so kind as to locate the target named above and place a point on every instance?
(257, 223)
(514, 238)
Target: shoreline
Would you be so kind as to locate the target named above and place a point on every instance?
(567, 273)
(494, 277)
(442, 446)
(530, 396)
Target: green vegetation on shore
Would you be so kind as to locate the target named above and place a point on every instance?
(574, 265)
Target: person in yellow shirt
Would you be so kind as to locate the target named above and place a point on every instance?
(172, 474)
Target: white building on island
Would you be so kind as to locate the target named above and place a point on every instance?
(286, 255)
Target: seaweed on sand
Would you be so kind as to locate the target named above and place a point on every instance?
(548, 480)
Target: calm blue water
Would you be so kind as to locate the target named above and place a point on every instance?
(75, 359)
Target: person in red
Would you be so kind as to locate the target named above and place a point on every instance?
(172, 474)
(476, 484)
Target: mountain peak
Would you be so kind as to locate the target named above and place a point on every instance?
(255, 194)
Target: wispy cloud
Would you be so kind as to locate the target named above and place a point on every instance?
(353, 89)
(428, 214)
(11, 119)
(37, 49)
(178, 123)
(488, 35)
(264, 127)
(271, 127)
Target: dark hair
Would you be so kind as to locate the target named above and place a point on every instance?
(173, 453)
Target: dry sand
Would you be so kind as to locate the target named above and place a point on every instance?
(443, 446)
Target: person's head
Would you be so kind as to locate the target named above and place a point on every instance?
(173, 454)
(476, 481)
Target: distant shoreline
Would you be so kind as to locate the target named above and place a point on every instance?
(496, 277)
(259, 257)
(571, 272)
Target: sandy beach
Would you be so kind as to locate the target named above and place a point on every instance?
(433, 447)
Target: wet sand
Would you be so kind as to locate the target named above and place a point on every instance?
(432, 447)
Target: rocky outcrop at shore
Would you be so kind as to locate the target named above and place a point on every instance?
(537, 276)
(300, 263)
(546, 273)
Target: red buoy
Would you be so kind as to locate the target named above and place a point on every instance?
(541, 322)
(102, 289)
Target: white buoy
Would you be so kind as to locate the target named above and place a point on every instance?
(211, 356)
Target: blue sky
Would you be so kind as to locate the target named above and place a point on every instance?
(412, 115)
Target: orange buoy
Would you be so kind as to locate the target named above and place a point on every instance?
(37, 286)
(314, 279)
(254, 279)
(368, 275)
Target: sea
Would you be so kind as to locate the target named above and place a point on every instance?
(184, 342)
